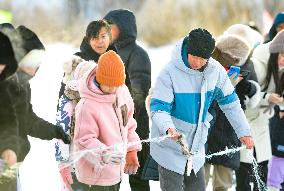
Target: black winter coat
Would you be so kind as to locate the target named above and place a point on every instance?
(28, 122)
(276, 127)
(9, 127)
(137, 64)
(138, 72)
(221, 133)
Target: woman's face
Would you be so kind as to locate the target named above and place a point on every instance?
(100, 43)
(2, 67)
(281, 60)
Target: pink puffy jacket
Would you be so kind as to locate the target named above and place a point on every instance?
(102, 120)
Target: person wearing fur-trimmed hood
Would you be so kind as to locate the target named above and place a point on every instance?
(271, 109)
(29, 51)
(259, 117)
(16, 108)
(9, 130)
(111, 131)
(89, 49)
(95, 43)
(230, 50)
(182, 95)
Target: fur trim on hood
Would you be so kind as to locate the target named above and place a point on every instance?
(81, 70)
(33, 59)
(231, 50)
(253, 37)
(69, 67)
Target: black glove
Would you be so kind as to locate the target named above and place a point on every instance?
(60, 134)
(244, 87)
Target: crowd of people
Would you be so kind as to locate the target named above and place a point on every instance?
(105, 104)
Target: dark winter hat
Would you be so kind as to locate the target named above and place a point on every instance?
(200, 43)
(231, 50)
(110, 69)
(279, 18)
(27, 46)
(277, 44)
(7, 57)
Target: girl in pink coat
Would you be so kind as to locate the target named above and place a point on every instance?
(105, 125)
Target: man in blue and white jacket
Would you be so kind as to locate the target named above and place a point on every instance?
(183, 92)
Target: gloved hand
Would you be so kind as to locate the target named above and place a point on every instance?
(60, 134)
(66, 176)
(235, 80)
(132, 163)
(113, 156)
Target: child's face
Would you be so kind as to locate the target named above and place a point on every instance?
(196, 62)
(100, 43)
(108, 89)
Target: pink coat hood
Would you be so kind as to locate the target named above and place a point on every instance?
(102, 120)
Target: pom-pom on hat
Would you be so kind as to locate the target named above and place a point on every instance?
(110, 70)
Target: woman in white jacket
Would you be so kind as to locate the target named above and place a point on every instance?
(269, 66)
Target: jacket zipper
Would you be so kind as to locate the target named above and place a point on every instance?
(115, 107)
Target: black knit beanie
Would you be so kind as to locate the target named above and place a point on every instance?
(200, 43)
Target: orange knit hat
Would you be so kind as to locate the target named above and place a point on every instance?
(110, 69)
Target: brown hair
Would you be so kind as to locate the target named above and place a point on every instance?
(94, 28)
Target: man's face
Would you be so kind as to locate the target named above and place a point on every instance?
(108, 89)
(196, 62)
(2, 67)
(100, 43)
(114, 32)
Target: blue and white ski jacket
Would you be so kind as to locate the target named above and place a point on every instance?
(181, 98)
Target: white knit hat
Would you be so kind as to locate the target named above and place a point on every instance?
(253, 37)
(232, 50)
(277, 44)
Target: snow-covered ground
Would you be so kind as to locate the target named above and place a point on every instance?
(45, 86)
